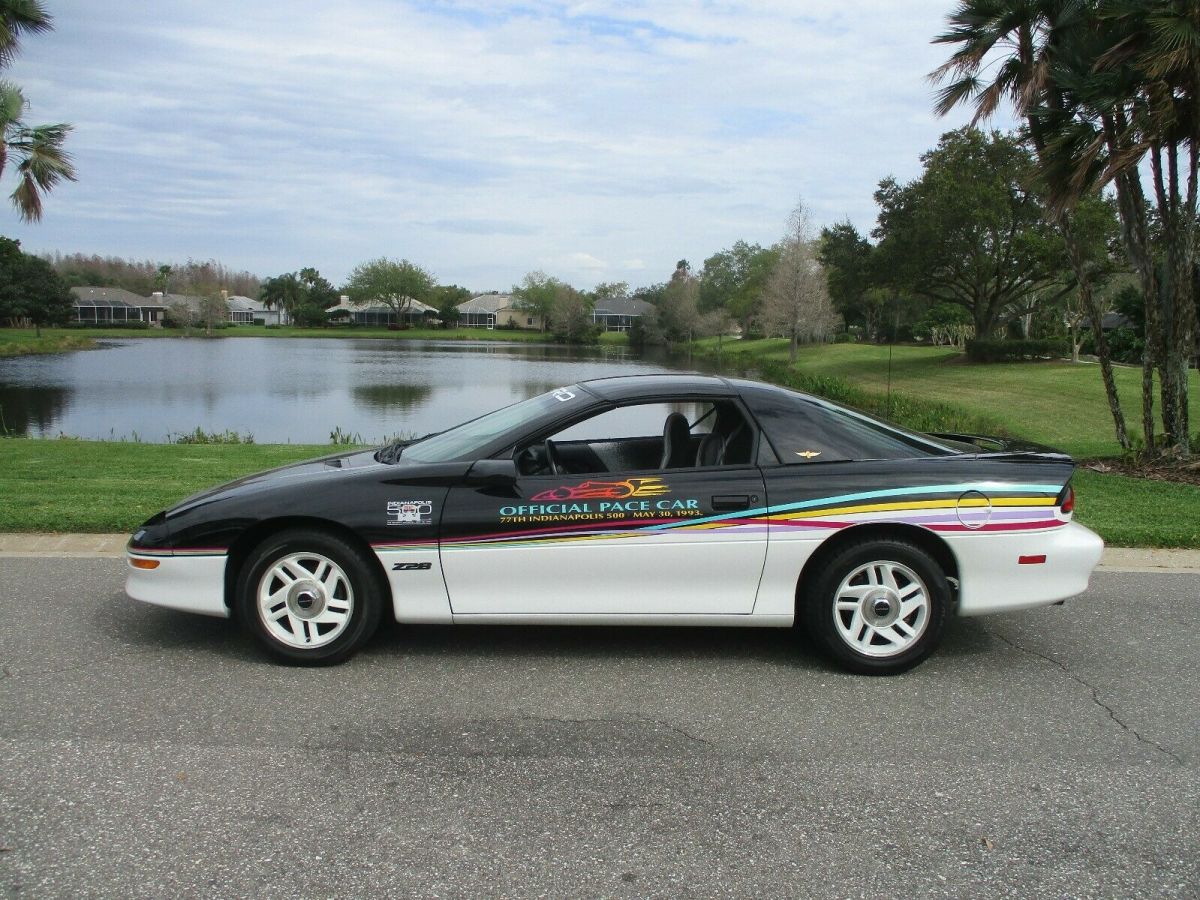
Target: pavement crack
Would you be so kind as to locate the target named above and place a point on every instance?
(1093, 690)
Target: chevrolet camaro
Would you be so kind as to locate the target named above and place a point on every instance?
(635, 500)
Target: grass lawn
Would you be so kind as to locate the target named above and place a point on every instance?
(1054, 403)
(104, 486)
(1138, 512)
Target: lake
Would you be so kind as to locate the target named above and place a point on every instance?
(284, 390)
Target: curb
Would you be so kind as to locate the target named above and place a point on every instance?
(112, 546)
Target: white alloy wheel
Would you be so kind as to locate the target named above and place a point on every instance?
(305, 600)
(881, 608)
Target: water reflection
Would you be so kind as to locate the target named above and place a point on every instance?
(282, 390)
(26, 409)
(389, 397)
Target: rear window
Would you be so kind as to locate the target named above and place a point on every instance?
(805, 430)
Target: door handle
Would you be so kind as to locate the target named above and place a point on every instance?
(731, 501)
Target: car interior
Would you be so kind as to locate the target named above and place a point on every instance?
(687, 435)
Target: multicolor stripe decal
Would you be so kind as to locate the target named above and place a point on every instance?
(1012, 507)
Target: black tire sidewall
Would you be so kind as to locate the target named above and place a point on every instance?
(368, 602)
(819, 599)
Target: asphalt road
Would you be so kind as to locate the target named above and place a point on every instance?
(151, 753)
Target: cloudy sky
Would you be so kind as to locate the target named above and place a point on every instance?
(597, 141)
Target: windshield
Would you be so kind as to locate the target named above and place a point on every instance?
(468, 440)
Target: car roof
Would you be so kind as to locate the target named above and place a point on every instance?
(632, 387)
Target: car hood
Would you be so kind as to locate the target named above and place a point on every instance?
(322, 467)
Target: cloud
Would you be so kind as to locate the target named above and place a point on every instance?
(481, 139)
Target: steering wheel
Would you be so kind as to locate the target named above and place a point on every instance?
(552, 457)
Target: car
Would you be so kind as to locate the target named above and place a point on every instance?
(634, 500)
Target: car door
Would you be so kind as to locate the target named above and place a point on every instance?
(632, 539)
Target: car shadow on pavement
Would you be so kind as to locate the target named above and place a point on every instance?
(774, 646)
(145, 627)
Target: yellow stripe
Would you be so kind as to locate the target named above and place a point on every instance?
(915, 505)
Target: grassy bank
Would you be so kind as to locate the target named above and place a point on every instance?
(1054, 403)
(106, 486)
(25, 342)
(19, 338)
(100, 486)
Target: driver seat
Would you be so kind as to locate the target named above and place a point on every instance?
(677, 441)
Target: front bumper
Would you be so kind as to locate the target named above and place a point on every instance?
(194, 584)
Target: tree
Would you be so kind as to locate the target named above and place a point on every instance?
(212, 311)
(38, 149)
(445, 299)
(305, 295)
(678, 314)
(30, 290)
(970, 230)
(284, 292)
(571, 315)
(1106, 87)
(733, 280)
(536, 294)
(796, 302)
(848, 259)
(162, 279)
(395, 284)
(1029, 74)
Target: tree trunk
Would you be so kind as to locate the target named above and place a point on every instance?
(792, 348)
(1131, 203)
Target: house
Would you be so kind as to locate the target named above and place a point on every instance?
(619, 313)
(416, 313)
(247, 311)
(105, 305)
(496, 310)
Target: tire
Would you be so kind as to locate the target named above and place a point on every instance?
(329, 609)
(877, 607)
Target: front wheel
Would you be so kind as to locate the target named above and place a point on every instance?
(878, 607)
(309, 597)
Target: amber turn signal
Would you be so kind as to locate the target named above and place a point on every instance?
(139, 563)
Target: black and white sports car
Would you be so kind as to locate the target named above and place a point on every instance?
(638, 500)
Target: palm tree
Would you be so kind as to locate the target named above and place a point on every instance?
(38, 150)
(1014, 42)
(1104, 85)
(19, 17)
(41, 160)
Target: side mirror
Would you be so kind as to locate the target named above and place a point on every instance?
(496, 473)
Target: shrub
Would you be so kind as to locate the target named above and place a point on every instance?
(990, 351)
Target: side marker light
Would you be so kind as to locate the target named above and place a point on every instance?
(1031, 560)
(139, 563)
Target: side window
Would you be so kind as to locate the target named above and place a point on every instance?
(642, 420)
(646, 437)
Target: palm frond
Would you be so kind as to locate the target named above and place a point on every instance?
(18, 18)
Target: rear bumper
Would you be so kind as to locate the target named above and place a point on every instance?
(993, 578)
(194, 584)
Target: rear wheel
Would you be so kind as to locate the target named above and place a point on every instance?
(878, 607)
(309, 597)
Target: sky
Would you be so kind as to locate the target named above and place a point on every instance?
(595, 141)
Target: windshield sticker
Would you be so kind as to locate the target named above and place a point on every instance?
(607, 490)
(410, 512)
(808, 454)
(563, 395)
